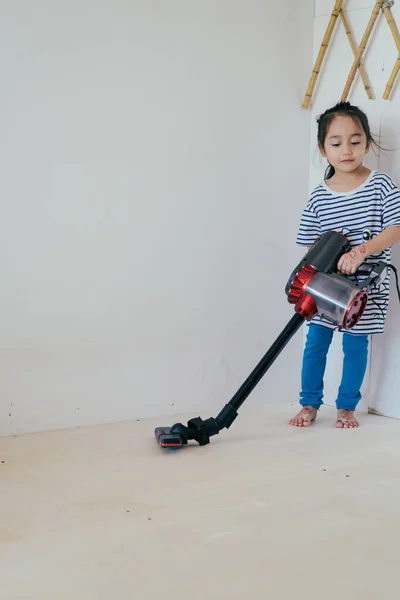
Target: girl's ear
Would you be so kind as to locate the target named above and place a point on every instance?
(368, 148)
(322, 150)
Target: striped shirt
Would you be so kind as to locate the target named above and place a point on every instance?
(360, 215)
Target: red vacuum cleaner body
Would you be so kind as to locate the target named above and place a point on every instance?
(314, 287)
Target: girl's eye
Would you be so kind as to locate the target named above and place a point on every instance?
(355, 143)
(336, 145)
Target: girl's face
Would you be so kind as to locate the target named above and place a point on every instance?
(345, 144)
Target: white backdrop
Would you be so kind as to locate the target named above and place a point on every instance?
(154, 160)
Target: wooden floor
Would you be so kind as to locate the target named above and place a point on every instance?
(264, 511)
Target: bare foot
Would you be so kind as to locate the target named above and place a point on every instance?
(346, 420)
(305, 417)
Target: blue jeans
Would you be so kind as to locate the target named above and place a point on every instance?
(355, 350)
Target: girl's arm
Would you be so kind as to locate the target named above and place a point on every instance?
(350, 262)
(384, 240)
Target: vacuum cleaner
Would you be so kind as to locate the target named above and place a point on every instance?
(314, 287)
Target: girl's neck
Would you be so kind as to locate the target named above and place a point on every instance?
(345, 182)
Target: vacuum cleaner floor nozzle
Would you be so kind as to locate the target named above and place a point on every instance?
(168, 439)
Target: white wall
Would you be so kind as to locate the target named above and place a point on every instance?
(154, 165)
(382, 381)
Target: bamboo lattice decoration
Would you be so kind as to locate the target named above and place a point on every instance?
(361, 50)
(322, 51)
(363, 73)
(389, 17)
(358, 53)
(337, 11)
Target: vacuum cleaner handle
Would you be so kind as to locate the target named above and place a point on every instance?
(376, 273)
(365, 268)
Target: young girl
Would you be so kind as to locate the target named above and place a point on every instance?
(364, 205)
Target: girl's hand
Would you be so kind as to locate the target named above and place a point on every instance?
(350, 262)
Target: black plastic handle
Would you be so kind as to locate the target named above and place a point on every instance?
(366, 268)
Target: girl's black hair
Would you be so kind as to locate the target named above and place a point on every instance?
(345, 109)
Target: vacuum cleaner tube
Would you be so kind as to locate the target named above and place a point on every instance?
(337, 299)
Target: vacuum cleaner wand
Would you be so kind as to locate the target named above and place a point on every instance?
(200, 430)
(314, 287)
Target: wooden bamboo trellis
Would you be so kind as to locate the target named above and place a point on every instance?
(363, 73)
(361, 49)
(357, 65)
(392, 79)
(386, 8)
(337, 11)
(322, 51)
